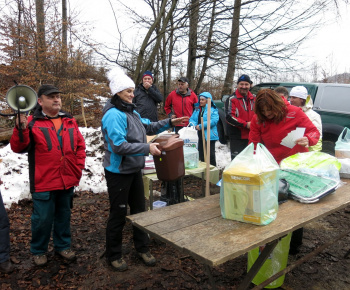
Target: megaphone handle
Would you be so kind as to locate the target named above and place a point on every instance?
(20, 132)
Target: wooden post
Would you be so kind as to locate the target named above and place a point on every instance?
(207, 190)
(82, 111)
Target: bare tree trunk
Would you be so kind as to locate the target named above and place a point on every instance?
(167, 64)
(160, 36)
(228, 83)
(40, 22)
(207, 49)
(64, 27)
(145, 43)
(19, 29)
(192, 41)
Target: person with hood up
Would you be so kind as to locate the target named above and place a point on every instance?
(124, 134)
(180, 102)
(196, 121)
(147, 97)
(300, 98)
(239, 112)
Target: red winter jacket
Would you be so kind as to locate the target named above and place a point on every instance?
(271, 134)
(180, 105)
(50, 166)
(238, 113)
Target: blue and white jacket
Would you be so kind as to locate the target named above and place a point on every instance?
(214, 118)
(124, 134)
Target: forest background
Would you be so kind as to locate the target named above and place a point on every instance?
(210, 42)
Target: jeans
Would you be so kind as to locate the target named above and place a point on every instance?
(51, 210)
(124, 190)
(4, 233)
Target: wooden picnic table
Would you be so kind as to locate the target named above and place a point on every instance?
(198, 229)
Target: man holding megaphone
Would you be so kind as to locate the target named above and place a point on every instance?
(56, 156)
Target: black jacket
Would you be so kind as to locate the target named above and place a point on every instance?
(146, 102)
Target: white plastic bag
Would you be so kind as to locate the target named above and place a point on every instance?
(249, 189)
(190, 136)
(342, 146)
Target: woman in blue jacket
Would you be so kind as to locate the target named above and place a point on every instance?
(124, 134)
(196, 121)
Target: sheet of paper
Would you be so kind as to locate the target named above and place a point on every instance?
(289, 140)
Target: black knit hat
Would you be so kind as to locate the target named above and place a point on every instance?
(244, 78)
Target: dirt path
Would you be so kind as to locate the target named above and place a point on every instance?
(174, 270)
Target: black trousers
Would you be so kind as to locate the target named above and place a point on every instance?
(212, 150)
(237, 146)
(4, 233)
(124, 190)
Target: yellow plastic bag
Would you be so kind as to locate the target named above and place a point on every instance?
(276, 262)
(249, 189)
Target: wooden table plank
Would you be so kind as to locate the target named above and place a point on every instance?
(198, 229)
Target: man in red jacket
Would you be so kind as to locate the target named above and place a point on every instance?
(181, 102)
(56, 155)
(239, 111)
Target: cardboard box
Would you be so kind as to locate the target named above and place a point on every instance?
(250, 197)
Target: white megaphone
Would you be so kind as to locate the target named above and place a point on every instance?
(21, 98)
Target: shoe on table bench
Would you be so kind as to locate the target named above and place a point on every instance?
(119, 265)
(40, 260)
(67, 254)
(147, 258)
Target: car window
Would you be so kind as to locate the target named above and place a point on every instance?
(336, 98)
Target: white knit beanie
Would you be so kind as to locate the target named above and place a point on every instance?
(299, 92)
(119, 81)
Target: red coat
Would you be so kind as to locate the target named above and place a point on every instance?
(180, 105)
(238, 113)
(271, 134)
(50, 166)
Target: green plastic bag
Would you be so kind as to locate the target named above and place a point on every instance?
(311, 159)
(276, 262)
(308, 188)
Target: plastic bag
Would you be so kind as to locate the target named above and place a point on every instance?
(342, 146)
(345, 168)
(249, 189)
(191, 157)
(316, 163)
(308, 188)
(277, 261)
(190, 136)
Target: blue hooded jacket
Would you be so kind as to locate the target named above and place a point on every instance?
(214, 117)
(124, 134)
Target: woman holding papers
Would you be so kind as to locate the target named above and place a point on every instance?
(283, 129)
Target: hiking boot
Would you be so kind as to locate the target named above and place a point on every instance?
(67, 254)
(147, 258)
(6, 267)
(40, 260)
(119, 265)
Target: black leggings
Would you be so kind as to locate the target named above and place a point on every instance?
(212, 150)
(124, 190)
